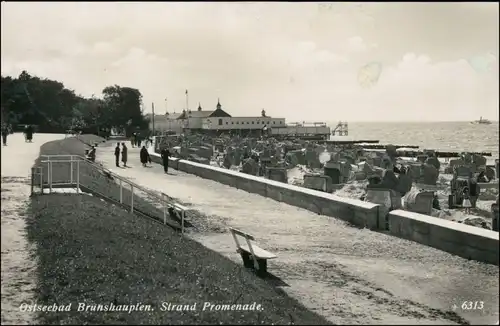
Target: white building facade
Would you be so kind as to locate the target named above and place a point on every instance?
(243, 123)
(219, 121)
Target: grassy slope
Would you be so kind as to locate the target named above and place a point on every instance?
(93, 252)
(89, 177)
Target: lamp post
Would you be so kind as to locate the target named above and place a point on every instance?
(153, 115)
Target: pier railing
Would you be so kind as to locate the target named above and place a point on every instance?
(341, 129)
(78, 173)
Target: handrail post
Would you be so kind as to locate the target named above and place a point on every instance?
(71, 170)
(121, 192)
(78, 177)
(41, 179)
(32, 179)
(131, 199)
(182, 221)
(50, 177)
(164, 208)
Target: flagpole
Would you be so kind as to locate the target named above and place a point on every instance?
(187, 108)
(153, 108)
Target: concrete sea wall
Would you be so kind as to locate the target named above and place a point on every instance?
(462, 240)
(456, 238)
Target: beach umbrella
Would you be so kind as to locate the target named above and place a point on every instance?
(369, 74)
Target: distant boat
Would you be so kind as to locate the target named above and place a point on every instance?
(481, 121)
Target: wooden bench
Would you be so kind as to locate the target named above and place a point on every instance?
(253, 256)
(180, 213)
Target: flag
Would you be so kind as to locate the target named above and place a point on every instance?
(186, 92)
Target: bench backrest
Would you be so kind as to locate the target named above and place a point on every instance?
(248, 238)
(179, 207)
(242, 234)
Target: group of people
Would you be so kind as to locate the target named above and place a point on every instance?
(124, 153)
(144, 156)
(136, 140)
(7, 130)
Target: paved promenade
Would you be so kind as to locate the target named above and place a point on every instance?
(18, 267)
(346, 274)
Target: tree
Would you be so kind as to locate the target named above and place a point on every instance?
(93, 114)
(52, 107)
(31, 100)
(124, 105)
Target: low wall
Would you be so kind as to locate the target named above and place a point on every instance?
(460, 239)
(172, 162)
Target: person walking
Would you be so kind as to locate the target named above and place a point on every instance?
(5, 133)
(138, 139)
(29, 133)
(133, 140)
(144, 155)
(117, 155)
(124, 154)
(165, 154)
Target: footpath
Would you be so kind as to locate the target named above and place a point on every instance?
(349, 275)
(18, 267)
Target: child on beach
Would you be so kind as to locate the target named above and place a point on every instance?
(466, 203)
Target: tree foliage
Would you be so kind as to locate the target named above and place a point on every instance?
(52, 107)
(124, 105)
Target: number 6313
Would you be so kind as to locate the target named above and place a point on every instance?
(472, 305)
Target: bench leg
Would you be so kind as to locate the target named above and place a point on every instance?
(262, 266)
(247, 261)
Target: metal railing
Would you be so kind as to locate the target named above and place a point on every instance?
(43, 177)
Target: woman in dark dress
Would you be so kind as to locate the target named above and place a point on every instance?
(29, 133)
(5, 133)
(144, 156)
(124, 154)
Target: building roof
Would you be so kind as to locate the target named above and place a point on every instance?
(195, 114)
(173, 115)
(169, 116)
(200, 113)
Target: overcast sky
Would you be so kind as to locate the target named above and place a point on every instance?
(297, 60)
